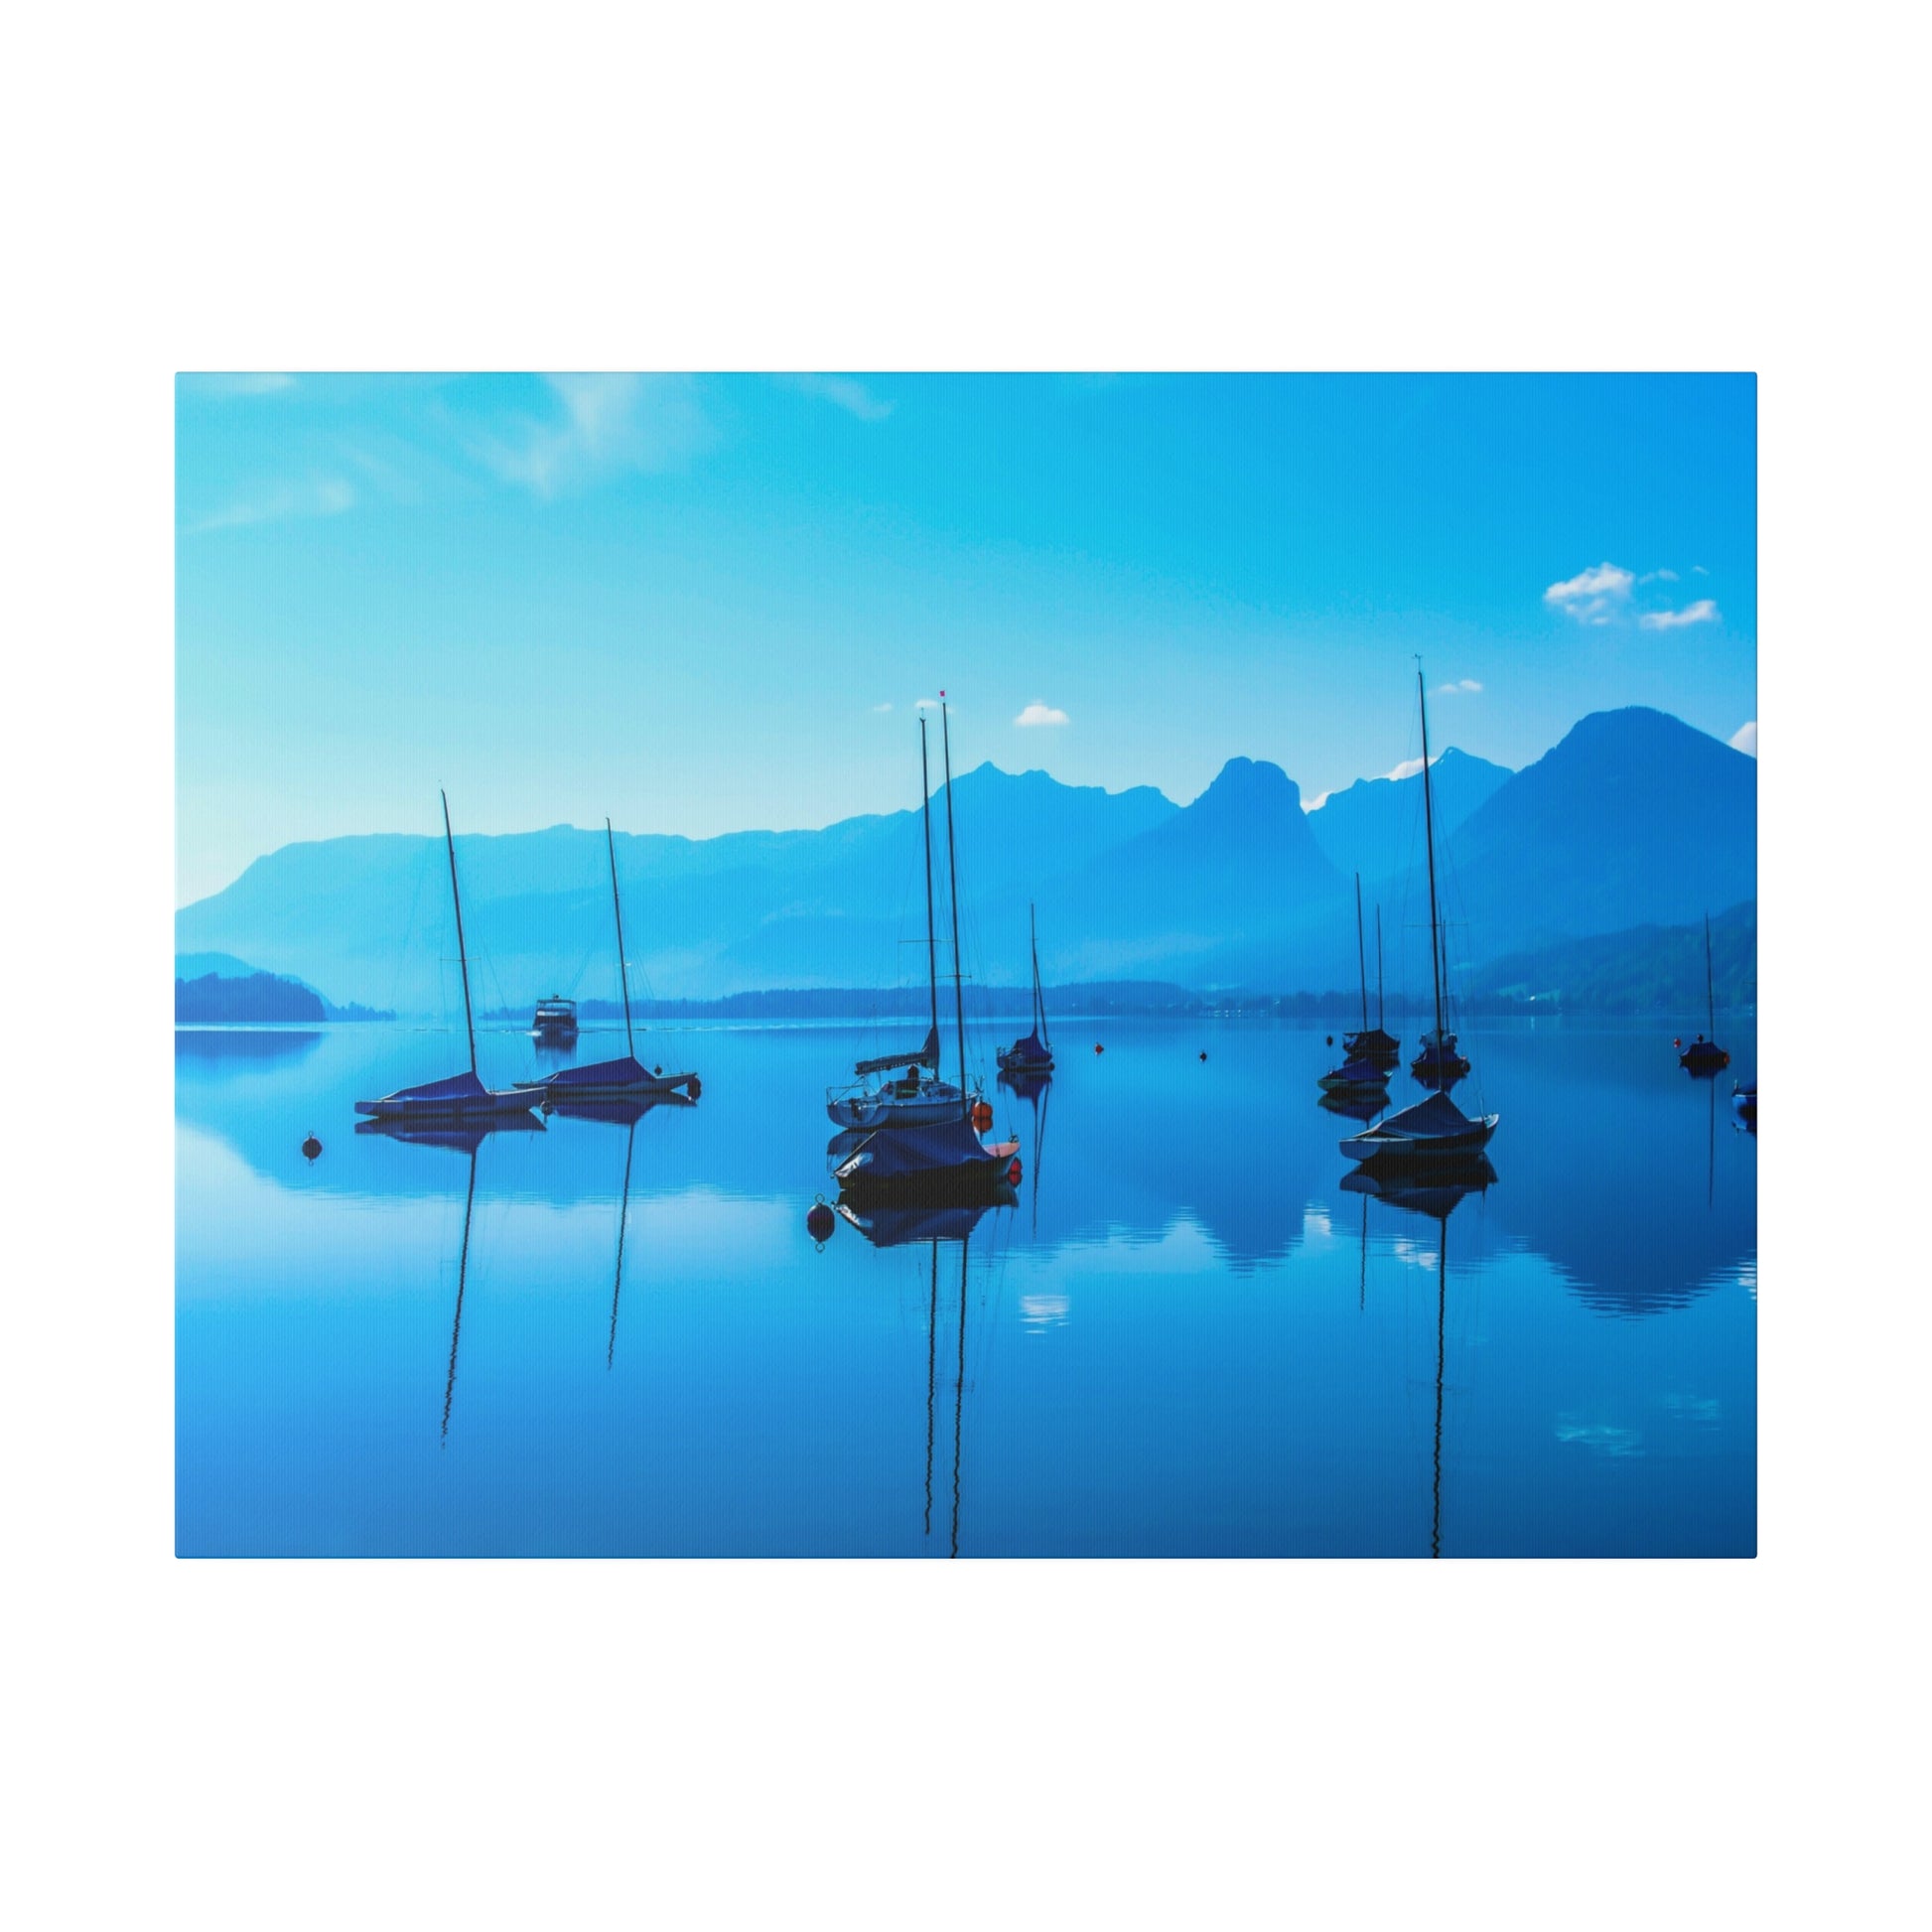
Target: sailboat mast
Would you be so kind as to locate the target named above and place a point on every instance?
(462, 952)
(953, 879)
(1428, 827)
(932, 948)
(1381, 1018)
(1361, 955)
(1039, 1000)
(1710, 988)
(623, 977)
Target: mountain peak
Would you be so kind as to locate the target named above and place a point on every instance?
(1250, 785)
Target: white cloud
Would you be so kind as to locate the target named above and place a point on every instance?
(609, 423)
(1658, 577)
(1590, 593)
(1319, 800)
(928, 703)
(1410, 767)
(1457, 688)
(1744, 738)
(1699, 570)
(1702, 611)
(879, 709)
(1040, 714)
(319, 496)
(845, 392)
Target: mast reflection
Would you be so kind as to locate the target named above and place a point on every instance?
(904, 1224)
(456, 1137)
(1435, 1196)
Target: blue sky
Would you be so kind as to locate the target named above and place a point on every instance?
(703, 605)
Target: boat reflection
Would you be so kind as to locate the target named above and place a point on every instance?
(1362, 1106)
(904, 1224)
(1436, 1196)
(458, 1137)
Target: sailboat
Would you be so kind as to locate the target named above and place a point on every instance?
(918, 1098)
(1362, 1072)
(1703, 1054)
(614, 1079)
(463, 1094)
(1373, 1044)
(1433, 1129)
(1033, 1056)
(913, 1157)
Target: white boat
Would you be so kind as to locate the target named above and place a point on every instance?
(1435, 1129)
(462, 1096)
(620, 1080)
(918, 1097)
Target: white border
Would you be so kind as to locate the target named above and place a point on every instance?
(1005, 188)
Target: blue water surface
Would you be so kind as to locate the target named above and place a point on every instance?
(1186, 1337)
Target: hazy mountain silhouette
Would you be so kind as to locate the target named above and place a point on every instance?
(1374, 826)
(1635, 818)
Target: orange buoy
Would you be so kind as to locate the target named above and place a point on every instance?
(982, 1115)
(1013, 1173)
(1097, 1047)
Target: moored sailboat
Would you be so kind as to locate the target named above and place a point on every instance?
(625, 1078)
(917, 1157)
(463, 1094)
(1375, 1043)
(1703, 1054)
(918, 1097)
(1435, 1129)
(1031, 1057)
(1362, 1072)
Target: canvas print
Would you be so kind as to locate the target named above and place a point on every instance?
(955, 966)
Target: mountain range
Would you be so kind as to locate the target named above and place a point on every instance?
(1634, 818)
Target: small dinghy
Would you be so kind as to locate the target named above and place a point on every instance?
(463, 1095)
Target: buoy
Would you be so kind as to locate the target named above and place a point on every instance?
(693, 1087)
(819, 1223)
(982, 1115)
(311, 1147)
(1097, 1047)
(1331, 1039)
(1203, 1052)
(1013, 1173)
(658, 1069)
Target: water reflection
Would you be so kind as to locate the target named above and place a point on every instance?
(938, 1225)
(1435, 1197)
(1215, 1392)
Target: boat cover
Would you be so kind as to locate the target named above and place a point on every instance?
(1031, 1048)
(897, 1227)
(459, 1086)
(1428, 1119)
(624, 1072)
(946, 1150)
(927, 1056)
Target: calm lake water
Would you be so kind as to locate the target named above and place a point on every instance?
(1188, 1336)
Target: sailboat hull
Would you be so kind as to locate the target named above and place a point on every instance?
(625, 1079)
(945, 1162)
(1379, 1146)
(464, 1097)
(933, 1106)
